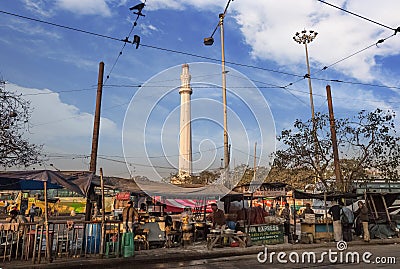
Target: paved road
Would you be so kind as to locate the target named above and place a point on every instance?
(379, 253)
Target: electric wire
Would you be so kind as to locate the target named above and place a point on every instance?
(72, 155)
(151, 46)
(63, 91)
(123, 46)
(380, 41)
(213, 59)
(359, 16)
(223, 15)
(61, 26)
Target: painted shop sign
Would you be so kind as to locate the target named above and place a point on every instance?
(266, 233)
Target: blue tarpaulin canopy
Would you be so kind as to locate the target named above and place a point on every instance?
(34, 180)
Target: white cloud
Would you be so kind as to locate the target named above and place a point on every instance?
(268, 27)
(31, 30)
(148, 29)
(86, 7)
(38, 6)
(53, 120)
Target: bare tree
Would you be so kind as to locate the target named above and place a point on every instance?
(15, 113)
(367, 142)
(373, 144)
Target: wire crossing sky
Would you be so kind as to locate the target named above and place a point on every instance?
(51, 51)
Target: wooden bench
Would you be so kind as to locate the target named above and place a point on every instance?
(213, 239)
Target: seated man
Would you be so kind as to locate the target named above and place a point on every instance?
(217, 216)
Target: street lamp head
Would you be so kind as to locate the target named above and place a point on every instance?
(208, 41)
(305, 37)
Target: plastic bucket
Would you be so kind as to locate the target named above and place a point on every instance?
(127, 245)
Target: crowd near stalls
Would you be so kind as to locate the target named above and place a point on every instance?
(121, 216)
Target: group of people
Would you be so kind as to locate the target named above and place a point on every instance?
(130, 216)
(14, 212)
(343, 221)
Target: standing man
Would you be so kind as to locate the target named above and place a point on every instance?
(362, 213)
(32, 213)
(217, 216)
(13, 214)
(285, 214)
(129, 215)
(347, 220)
(335, 211)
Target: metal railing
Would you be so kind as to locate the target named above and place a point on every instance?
(27, 241)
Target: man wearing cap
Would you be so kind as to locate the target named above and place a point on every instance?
(129, 215)
(217, 216)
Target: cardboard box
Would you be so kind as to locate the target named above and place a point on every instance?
(309, 218)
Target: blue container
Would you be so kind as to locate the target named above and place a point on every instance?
(93, 234)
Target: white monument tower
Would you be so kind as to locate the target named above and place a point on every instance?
(185, 130)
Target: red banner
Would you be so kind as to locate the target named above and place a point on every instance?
(123, 196)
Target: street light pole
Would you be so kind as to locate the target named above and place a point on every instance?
(209, 41)
(226, 147)
(309, 85)
(304, 38)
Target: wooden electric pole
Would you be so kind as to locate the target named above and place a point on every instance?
(339, 180)
(96, 126)
(95, 138)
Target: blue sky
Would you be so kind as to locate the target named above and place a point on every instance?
(57, 70)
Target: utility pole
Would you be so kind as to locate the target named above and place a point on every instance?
(95, 138)
(226, 139)
(208, 41)
(339, 180)
(96, 126)
(255, 161)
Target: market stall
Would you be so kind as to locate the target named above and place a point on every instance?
(315, 227)
(156, 201)
(256, 221)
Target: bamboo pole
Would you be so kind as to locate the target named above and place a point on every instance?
(46, 223)
(103, 213)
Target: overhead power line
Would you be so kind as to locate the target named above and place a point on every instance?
(149, 46)
(380, 41)
(61, 26)
(362, 17)
(138, 14)
(200, 56)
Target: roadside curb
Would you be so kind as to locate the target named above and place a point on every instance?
(182, 254)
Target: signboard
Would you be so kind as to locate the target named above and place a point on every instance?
(262, 191)
(266, 233)
(123, 196)
(269, 193)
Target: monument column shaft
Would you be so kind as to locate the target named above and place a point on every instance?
(185, 130)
